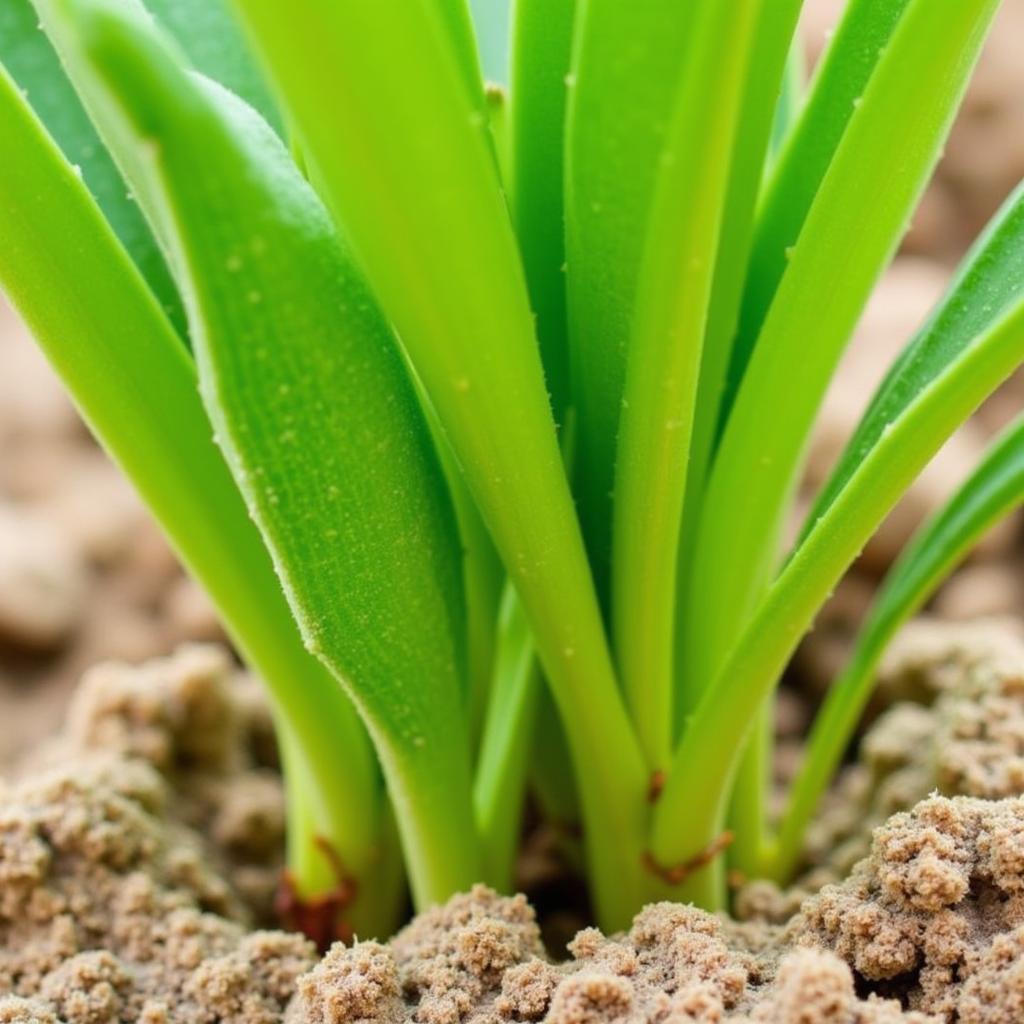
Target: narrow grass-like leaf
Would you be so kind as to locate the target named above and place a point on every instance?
(688, 818)
(777, 23)
(318, 420)
(133, 381)
(500, 785)
(425, 211)
(880, 168)
(626, 59)
(991, 279)
(993, 490)
(32, 63)
(791, 99)
(857, 47)
(993, 276)
(541, 53)
(664, 360)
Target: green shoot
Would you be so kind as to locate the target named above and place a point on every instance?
(404, 296)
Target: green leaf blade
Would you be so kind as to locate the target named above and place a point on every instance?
(428, 219)
(618, 113)
(722, 722)
(319, 423)
(992, 278)
(137, 390)
(994, 489)
(214, 44)
(857, 47)
(850, 234)
(664, 359)
(541, 54)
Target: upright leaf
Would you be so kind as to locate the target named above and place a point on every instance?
(312, 406)
(135, 384)
(626, 58)
(664, 358)
(541, 52)
(688, 819)
(426, 214)
(995, 488)
(857, 48)
(855, 223)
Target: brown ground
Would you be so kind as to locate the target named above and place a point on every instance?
(141, 819)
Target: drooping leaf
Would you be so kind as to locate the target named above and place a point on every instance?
(311, 402)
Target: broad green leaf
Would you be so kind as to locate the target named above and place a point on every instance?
(687, 819)
(541, 52)
(626, 59)
(428, 220)
(994, 489)
(664, 358)
(992, 278)
(32, 63)
(213, 42)
(312, 406)
(891, 144)
(134, 383)
(857, 48)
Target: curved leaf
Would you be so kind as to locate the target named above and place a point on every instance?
(664, 358)
(214, 44)
(137, 390)
(858, 216)
(427, 217)
(991, 279)
(994, 489)
(688, 819)
(317, 418)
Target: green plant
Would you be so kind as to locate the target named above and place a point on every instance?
(358, 248)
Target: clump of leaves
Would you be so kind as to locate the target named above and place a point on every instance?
(508, 402)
